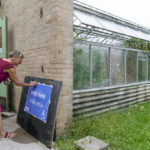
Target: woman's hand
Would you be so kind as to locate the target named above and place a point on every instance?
(7, 82)
(34, 83)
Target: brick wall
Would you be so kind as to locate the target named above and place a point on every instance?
(1, 11)
(1, 14)
(45, 40)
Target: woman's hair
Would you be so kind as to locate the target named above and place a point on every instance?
(16, 54)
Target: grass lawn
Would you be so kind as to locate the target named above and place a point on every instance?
(125, 130)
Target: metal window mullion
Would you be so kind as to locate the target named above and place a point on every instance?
(147, 68)
(109, 67)
(137, 67)
(125, 66)
(90, 65)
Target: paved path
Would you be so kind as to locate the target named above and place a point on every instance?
(22, 140)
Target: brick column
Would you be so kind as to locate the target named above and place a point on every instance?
(63, 58)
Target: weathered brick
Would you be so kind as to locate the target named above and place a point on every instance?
(47, 41)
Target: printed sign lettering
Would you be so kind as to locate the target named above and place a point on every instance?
(38, 101)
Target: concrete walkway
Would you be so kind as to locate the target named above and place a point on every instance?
(22, 140)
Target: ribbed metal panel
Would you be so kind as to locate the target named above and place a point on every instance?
(95, 102)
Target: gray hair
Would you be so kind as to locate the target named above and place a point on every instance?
(16, 54)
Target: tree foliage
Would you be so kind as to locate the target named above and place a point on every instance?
(137, 44)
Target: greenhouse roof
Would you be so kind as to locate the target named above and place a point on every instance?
(95, 25)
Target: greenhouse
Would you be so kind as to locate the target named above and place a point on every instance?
(111, 61)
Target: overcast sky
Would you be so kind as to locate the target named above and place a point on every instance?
(137, 11)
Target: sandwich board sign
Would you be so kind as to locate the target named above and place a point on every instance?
(38, 107)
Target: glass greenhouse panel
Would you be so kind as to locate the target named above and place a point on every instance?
(92, 20)
(100, 71)
(117, 67)
(142, 69)
(131, 66)
(81, 74)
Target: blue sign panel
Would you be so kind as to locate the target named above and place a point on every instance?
(38, 101)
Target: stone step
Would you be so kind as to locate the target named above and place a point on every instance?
(91, 143)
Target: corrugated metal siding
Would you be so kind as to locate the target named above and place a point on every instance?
(95, 102)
